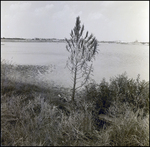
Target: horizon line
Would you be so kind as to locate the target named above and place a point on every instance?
(64, 39)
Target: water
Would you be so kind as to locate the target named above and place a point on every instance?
(112, 60)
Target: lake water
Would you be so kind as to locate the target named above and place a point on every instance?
(112, 60)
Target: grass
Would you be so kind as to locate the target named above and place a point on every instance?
(36, 114)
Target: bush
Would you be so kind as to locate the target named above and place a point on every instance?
(120, 89)
(134, 92)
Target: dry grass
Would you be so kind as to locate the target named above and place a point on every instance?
(33, 115)
(129, 128)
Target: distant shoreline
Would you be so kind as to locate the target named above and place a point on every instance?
(63, 40)
(30, 40)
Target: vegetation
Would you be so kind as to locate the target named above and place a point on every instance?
(35, 114)
(82, 51)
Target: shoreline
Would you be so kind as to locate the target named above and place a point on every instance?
(63, 41)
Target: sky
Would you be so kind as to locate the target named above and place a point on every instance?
(106, 20)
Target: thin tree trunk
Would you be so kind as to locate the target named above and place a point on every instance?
(74, 84)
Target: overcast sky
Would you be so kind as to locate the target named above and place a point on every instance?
(108, 20)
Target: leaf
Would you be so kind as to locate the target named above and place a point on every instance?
(89, 37)
(93, 40)
(67, 48)
(86, 35)
(72, 42)
(82, 30)
(71, 34)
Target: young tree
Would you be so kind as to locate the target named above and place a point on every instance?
(82, 51)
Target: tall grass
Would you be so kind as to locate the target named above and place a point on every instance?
(35, 114)
(129, 128)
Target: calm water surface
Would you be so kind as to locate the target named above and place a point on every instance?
(113, 59)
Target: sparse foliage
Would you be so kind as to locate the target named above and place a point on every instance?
(82, 51)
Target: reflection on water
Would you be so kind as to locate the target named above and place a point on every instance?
(113, 59)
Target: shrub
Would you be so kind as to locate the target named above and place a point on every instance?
(120, 89)
(134, 92)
